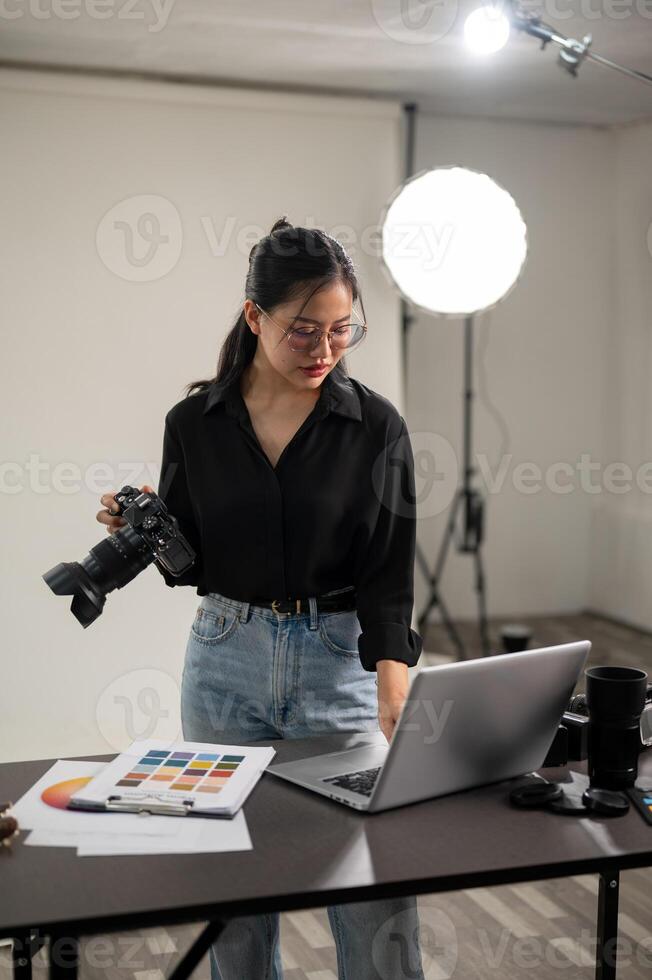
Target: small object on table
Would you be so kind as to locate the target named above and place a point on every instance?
(8, 825)
(535, 793)
(571, 804)
(609, 803)
(641, 797)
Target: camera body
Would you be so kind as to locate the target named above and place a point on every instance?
(147, 514)
(150, 534)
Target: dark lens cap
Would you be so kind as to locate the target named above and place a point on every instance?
(608, 802)
(535, 794)
(569, 803)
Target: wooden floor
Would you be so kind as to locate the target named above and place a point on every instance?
(543, 930)
(611, 643)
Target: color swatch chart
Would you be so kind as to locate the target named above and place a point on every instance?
(186, 772)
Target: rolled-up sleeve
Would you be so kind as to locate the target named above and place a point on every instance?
(173, 491)
(385, 581)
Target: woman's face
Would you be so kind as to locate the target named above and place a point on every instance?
(326, 309)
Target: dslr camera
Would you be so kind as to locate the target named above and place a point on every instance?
(150, 534)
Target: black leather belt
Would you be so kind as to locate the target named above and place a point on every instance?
(325, 603)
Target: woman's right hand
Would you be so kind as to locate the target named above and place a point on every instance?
(109, 516)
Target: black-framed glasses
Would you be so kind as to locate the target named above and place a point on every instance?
(306, 338)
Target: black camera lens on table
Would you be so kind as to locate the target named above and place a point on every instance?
(615, 698)
(150, 534)
(607, 728)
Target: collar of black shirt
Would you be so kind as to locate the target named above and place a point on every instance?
(337, 395)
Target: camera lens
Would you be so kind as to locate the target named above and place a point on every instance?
(615, 697)
(109, 565)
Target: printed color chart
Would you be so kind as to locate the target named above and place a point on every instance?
(200, 772)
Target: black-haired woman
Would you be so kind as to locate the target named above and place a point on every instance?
(294, 483)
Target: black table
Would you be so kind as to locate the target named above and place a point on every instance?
(308, 851)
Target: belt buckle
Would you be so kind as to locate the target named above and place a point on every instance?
(275, 604)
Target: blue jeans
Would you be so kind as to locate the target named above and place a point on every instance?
(250, 674)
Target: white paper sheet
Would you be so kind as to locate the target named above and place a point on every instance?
(74, 838)
(210, 835)
(34, 814)
(118, 833)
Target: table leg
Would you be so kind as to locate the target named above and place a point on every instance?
(185, 967)
(25, 946)
(63, 957)
(607, 935)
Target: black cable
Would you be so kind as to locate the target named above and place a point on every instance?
(483, 392)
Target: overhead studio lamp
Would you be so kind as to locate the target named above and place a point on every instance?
(487, 30)
(485, 246)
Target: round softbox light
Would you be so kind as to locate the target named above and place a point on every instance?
(453, 241)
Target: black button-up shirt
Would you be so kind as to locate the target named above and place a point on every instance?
(338, 509)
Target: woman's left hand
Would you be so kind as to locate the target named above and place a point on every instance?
(393, 686)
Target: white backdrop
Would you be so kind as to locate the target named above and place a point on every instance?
(101, 336)
(541, 358)
(96, 352)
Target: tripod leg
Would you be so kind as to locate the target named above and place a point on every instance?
(434, 598)
(448, 535)
(482, 606)
(452, 631)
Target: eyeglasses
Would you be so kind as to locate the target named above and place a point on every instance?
(304, 339)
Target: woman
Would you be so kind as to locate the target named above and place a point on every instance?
(295, 486)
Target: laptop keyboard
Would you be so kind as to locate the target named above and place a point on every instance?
(361, 782)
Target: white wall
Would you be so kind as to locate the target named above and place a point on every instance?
(546, 356)
(92, 361)
(621, 556)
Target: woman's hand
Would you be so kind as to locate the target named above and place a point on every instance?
(393, 686)
(109, 516)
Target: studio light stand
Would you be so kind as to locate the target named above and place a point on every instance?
(470, 502)
(467, 510)
(467, 498)
(466, 520)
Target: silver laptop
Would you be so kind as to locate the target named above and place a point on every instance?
(463, 724)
